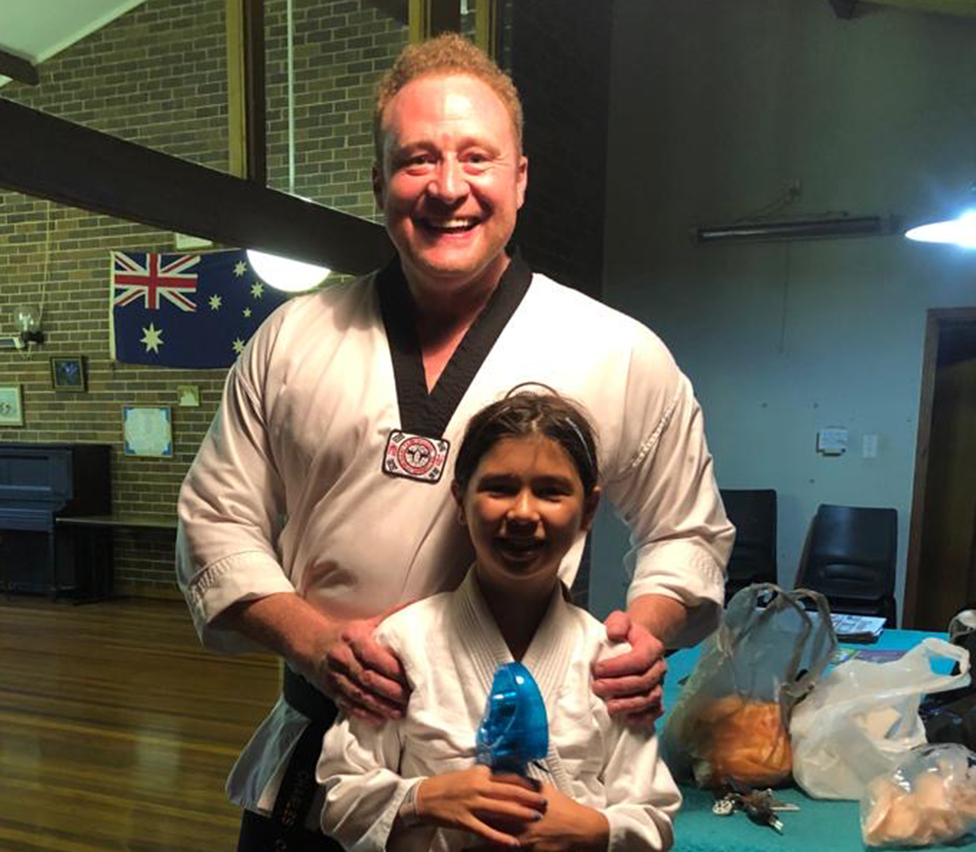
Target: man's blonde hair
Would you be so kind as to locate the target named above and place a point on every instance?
(446, 54)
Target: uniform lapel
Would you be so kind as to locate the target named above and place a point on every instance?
(479, 640)
(424, 413)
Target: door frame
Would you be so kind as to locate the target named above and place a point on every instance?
(936, 320)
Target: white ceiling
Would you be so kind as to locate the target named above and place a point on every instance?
(36, 30)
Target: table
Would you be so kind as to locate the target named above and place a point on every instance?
(819, 826)
(92, 535)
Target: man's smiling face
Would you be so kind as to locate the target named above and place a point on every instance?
(451, 182)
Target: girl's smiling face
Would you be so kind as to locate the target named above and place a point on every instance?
(524, 508)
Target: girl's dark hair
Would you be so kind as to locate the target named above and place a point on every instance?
(524, 413)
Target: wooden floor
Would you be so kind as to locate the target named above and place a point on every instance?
(117, 730)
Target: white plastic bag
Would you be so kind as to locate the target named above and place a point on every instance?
(862, 717)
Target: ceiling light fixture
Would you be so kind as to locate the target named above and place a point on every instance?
(283, 273)
(798, 229)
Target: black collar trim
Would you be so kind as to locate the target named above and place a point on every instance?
(424, 413)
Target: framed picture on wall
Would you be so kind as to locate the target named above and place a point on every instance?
(11, 410)
(189, 395)
(68, 373)
(147, 431)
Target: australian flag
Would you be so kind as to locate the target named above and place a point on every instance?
(186, 310)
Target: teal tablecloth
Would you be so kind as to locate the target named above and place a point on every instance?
(819, 826)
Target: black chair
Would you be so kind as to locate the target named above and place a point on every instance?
(850, 557)
(753, 559)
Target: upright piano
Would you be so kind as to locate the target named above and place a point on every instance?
(39, 482)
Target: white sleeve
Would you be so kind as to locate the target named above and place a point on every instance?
(667, 494)
(363, 791)
(231, 505)
(642, 797)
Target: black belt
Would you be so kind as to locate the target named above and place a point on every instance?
(306, 699)
(298, 784)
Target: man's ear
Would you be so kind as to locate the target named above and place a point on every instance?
(459, 499)
(522, 179)
(378, 185)
(590, 503)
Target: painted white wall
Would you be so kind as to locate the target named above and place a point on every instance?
(715, 108)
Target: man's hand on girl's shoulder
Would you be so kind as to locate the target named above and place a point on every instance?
(362, 676)
(631, 683)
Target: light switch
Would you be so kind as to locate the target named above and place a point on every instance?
(869, 446)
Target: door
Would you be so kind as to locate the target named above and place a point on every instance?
(944, 517)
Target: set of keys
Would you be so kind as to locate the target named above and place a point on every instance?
(759, 805)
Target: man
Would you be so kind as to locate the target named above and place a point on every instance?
(319, 500)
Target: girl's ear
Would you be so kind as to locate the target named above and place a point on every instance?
(590, 503)
(459, 499)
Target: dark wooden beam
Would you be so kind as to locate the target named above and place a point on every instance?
(246, 111)
(429, 18)
(445, 16)
(17, 68)
(844, 9)
(487, 25)
(51, 158)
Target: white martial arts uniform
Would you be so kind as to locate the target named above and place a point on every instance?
(450, 647)
(287, 493)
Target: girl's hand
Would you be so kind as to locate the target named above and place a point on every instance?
(476, 800)
(567, 826)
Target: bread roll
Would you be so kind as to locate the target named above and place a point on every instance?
(743, 739)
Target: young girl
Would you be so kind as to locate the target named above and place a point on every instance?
(525, 485)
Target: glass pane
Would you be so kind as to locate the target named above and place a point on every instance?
(340, 51)
(155, 75)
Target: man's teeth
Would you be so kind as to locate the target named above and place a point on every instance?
(452, 224)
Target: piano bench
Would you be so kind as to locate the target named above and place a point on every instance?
(92, 534)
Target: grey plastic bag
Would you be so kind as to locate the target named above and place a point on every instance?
(732, 717)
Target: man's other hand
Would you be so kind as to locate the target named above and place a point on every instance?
(362, 677)
(631, 683)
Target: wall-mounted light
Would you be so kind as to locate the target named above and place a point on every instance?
(27, 319)
(959, 230)
(798, 229)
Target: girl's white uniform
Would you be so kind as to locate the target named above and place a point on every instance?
(450, 648)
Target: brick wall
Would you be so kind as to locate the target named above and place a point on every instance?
(157, 76)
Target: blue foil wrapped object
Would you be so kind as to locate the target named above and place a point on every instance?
(514, 730)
